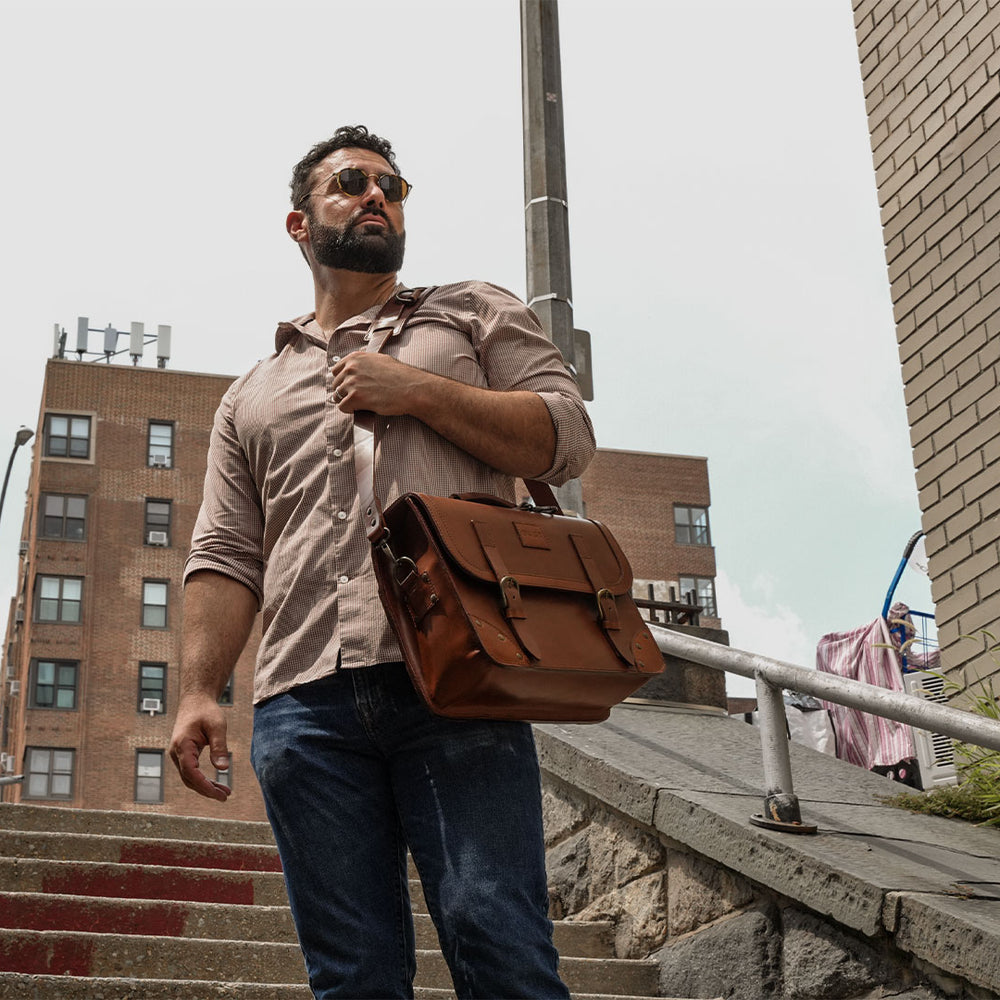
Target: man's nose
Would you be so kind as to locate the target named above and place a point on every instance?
(373, 194)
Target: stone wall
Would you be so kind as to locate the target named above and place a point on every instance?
(715, 933)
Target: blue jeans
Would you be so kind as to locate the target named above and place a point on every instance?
(354, 768)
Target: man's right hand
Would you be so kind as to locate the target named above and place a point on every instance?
(200, 723)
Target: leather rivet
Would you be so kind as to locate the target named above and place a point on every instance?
(425, 577)
(501, 637)
(434, 598)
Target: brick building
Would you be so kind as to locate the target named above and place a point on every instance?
(93, 640)
(930, 74)
(657, 506)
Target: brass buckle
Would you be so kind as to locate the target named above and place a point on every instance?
(509, 583)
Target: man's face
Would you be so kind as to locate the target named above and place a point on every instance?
(354, 232)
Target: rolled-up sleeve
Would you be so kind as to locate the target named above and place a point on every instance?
(228, 535)
(516, 355)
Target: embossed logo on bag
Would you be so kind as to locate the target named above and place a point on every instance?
(532, 535)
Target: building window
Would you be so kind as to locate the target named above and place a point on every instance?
(691, 525)
(157, 525)
(226, 698)
(152, 687)
(49, 773)
(704, 593)
(161, 445)
(58, 598)
(154, 604)
(54, 684)
(149, 776)
(63, 516)
(67, 436)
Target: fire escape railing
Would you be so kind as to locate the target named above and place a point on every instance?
(781, 804)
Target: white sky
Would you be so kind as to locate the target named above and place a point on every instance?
(726, 245)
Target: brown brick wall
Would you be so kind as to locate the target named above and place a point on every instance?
(634, 493)
(931, 84)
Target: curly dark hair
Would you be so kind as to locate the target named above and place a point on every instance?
(352, 136)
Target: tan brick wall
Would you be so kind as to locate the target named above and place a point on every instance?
(931, 85)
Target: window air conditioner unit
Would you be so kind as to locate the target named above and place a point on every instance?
(159, 461)
(23, 548)
(156, 538)
(935, 753)
(8, 763)
(15, 687)
(152, 705)
(18, 616)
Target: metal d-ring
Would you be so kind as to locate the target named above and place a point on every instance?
(401, 561)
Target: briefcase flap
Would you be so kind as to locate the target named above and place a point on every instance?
(537, 549)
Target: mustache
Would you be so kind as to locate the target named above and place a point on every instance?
(371, 211)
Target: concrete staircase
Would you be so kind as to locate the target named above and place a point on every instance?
(110, 906)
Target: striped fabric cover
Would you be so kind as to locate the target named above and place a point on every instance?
(865, 654)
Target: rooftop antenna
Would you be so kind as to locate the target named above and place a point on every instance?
(137, 342)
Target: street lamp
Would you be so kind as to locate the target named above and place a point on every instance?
(23, 435)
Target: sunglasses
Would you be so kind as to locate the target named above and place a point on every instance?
(354, 182)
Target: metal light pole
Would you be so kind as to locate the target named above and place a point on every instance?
(21, 437)
(546, 210)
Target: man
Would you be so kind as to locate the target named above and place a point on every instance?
(353, 767)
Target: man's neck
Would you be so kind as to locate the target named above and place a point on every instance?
(343, 294)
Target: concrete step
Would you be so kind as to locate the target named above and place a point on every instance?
(103, 915)
(84, 954)
(21, 816)
(92, 878)
(139, 851)
(14, 986)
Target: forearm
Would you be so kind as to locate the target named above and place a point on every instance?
(510, 431)
(218, 615)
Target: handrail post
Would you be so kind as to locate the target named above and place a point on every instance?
(781, 804)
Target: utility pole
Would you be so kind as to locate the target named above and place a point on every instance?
(546, 210)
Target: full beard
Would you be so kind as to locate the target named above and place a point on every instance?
(350, 250)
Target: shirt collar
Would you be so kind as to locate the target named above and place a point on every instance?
(306, 326)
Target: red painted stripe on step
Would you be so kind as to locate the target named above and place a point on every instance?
(173, 884)
(106, 917)
(52, 956)
(201, 856)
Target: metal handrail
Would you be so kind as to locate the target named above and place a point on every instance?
(9, 779)
(781, 806)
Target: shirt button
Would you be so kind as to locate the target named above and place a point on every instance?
(337, 453)
(341, 514)
(341, 579)
(335, 358)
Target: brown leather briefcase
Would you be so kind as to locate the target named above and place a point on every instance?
(511, 612)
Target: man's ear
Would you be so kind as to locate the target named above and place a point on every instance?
(297, 226)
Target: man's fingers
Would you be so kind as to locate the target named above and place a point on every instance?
(186, 758)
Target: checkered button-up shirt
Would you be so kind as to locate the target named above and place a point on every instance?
(280, 512)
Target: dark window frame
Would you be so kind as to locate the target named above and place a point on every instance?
(170, 446)
(68, 437)
(158, 754)
(148, 605)
(61, 600)
(711, 606)
(50, 773)
(57, 667)
(156, 522)
(688, 528)
(144, 689)
(44, 517)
